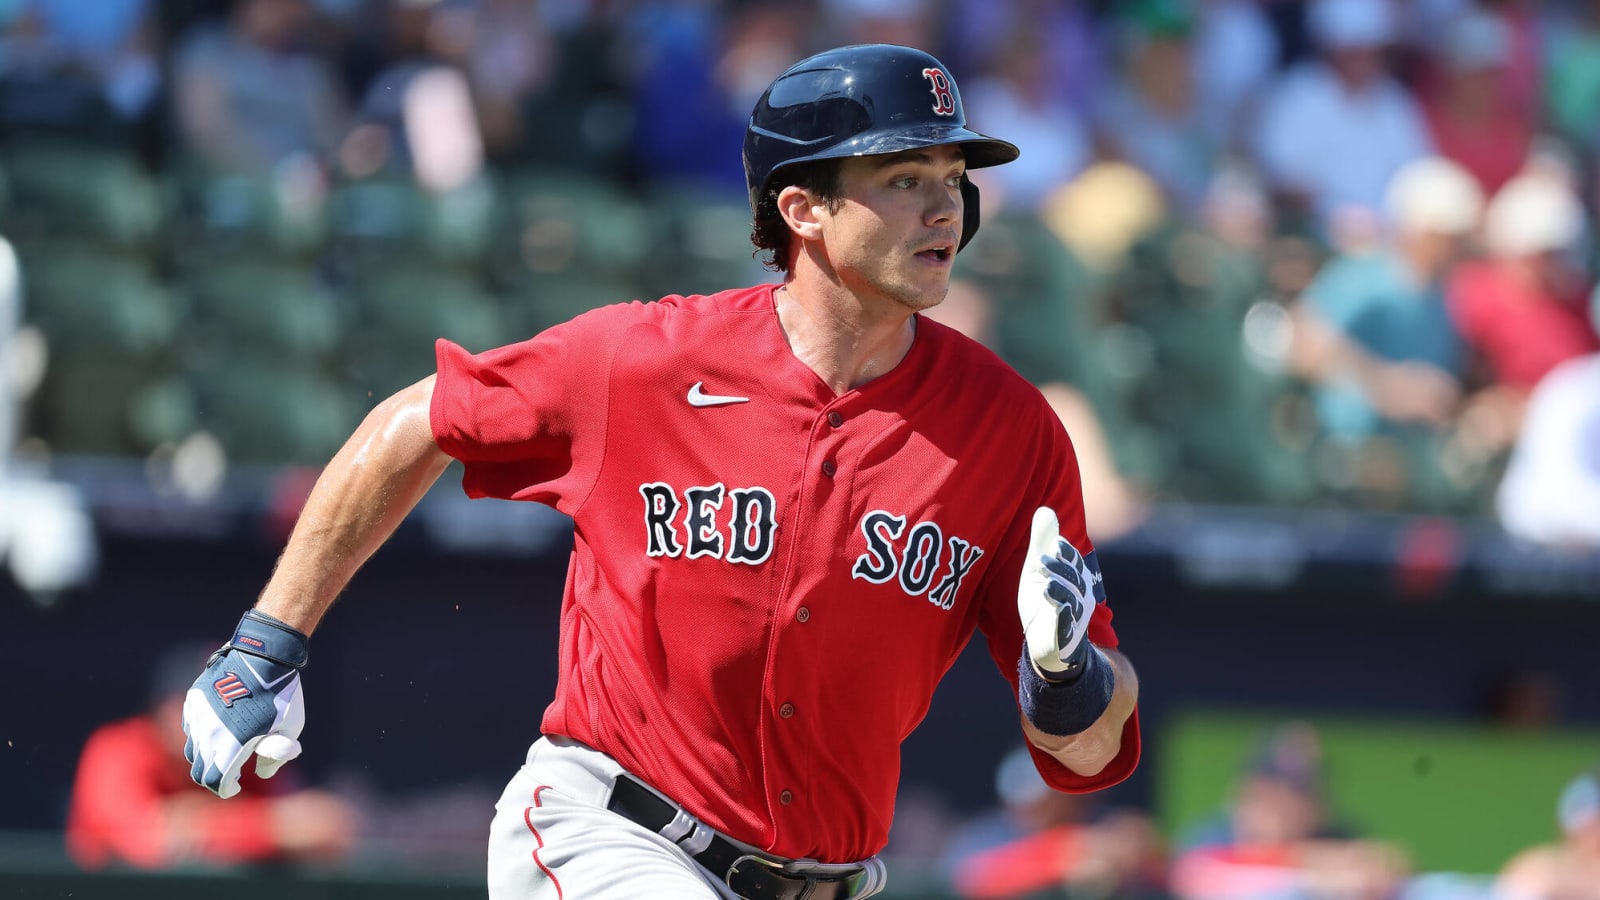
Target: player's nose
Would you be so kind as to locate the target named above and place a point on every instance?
(944, 206)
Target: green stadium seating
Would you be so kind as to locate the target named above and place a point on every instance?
(559, 223)
(84, 191)
(111, 328)
(84, 298)
(270, 412)
(571, 242)
(98, 403)
(224, 215)
(377, 220)
(702, 242)
(256, 307)
(402, 310)
(1225, 436)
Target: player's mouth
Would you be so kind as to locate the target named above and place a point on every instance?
(939, 254)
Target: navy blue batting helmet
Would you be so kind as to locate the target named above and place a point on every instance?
(864, 100)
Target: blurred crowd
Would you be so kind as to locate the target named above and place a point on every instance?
(1278, 831)
(1286, 252)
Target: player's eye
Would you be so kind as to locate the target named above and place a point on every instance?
(904, 182)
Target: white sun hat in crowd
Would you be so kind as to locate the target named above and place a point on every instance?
(1433, 195)
(1532, 214)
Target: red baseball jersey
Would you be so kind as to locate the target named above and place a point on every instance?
(767, 580)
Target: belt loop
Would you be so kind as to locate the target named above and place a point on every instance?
(698, 840)
(681, 825)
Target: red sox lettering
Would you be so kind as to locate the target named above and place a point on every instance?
(916, 566)
(750, 522)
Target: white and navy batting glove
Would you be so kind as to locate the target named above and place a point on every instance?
(247, 700)
(1056, 599)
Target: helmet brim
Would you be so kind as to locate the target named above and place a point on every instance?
(980, 150)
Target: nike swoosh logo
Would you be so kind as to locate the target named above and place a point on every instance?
(697, 397)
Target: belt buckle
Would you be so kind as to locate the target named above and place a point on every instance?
(806, 872)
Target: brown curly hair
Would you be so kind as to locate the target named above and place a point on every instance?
(770, 233)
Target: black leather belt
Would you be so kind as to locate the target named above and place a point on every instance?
(748, 875)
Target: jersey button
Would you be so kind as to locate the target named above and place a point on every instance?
(786, 710)
(786, 798)
(803, 614)
(835, 419)
(828, 468)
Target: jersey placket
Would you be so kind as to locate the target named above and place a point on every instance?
(822, 476)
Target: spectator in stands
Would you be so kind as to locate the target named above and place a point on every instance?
(66, 62)
(1524, 309)
(1572, 76)
(696, 75)
(1473, 115)
(979, 35)
(1525, 63)
(512, 52)
(133, 803)
(247, 95)
(909, 23)
(1111, 504)
(1277, 839)
(418, 119)
(1043, 843)
(1551, 489)
(1153, 117)
(1236, 55)
(1017, 97)
(1372, 331)
(1568, 869)
(1336, 128)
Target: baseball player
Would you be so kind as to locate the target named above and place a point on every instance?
(793, 505)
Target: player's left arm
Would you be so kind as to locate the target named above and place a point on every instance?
(1076, 697)
(1089, 751)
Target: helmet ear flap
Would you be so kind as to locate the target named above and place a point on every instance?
(969, 216)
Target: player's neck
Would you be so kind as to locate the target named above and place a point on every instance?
(838, 338)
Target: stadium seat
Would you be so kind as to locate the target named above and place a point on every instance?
(222, 215)
(380, 219)
(402, 310)
(107, 404)
(82, 191)
(269, 412)
(1046, 302)
(86, 299)
(258, 307)
(538, 304)
(110, 327)
(561, 222)
(1226, 437)
(702, 242)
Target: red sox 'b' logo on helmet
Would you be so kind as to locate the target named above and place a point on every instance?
(944, 103)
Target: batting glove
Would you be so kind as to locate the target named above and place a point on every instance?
(1055, 599)
(247, 701)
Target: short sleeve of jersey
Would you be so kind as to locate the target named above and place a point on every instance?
(528, 420)
(1057, 485)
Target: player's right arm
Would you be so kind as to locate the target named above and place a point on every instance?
(248, 699)
(362, 496)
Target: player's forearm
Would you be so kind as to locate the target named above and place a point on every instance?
(1091, 750)
(363, 495)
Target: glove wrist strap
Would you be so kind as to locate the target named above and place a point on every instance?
(262, 635)
(1068, 707)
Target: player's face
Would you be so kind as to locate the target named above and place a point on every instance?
(892, 237)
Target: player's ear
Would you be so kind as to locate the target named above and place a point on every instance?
(802, 211)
